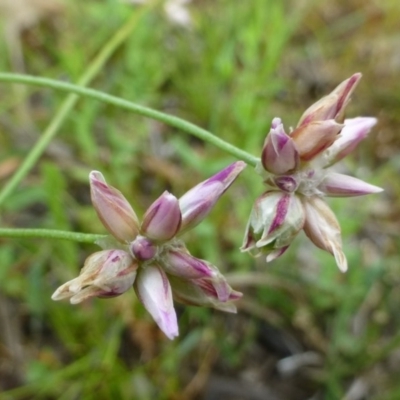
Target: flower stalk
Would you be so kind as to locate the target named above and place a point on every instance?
(22, 233)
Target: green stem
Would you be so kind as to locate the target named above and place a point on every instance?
(138, 109)
(50, 234)
(55, 124)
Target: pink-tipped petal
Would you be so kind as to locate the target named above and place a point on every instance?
(354, 131)
(162, 220)
(154, 291)
(323, 229)
(339, 185)
(331, 106)
(113, 209)
(199, 201)
(313, 138)
(107, 273)
(279, 155)
(182, 264)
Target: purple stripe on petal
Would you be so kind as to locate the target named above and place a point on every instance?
(182, 264)
(207, 287)
(281, 212)
(217, 288)
(339, 185)
(228, 174)
(163, 218)
(199, 201)
(348, 89)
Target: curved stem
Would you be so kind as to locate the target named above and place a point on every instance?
(94, 67)
(138, 109)
(50, 234)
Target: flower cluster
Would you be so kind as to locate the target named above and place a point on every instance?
(149, 255)
(295, 167)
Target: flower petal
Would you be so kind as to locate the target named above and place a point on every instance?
(355, 130)
(113, 209)
(199, 201)
(154, 291)
(279, 155)
(107, 273)
(332, 105)
(275, 220)
(163, 218)
(184, 265)
(323, 229)
(274, 254)
(313, 138)
(339, 185)
(200, 292)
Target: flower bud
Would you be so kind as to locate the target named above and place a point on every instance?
(143, 249)
(279, 155)
(162, 220)
(199, 201)
(113, 209)
(107, 273)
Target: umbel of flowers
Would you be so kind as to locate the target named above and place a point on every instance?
(295, 167)
(150, 256)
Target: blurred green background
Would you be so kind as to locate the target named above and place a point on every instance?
(303, 329)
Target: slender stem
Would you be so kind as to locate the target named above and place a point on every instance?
(138, 109)
(50, 234)
(55, 124)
